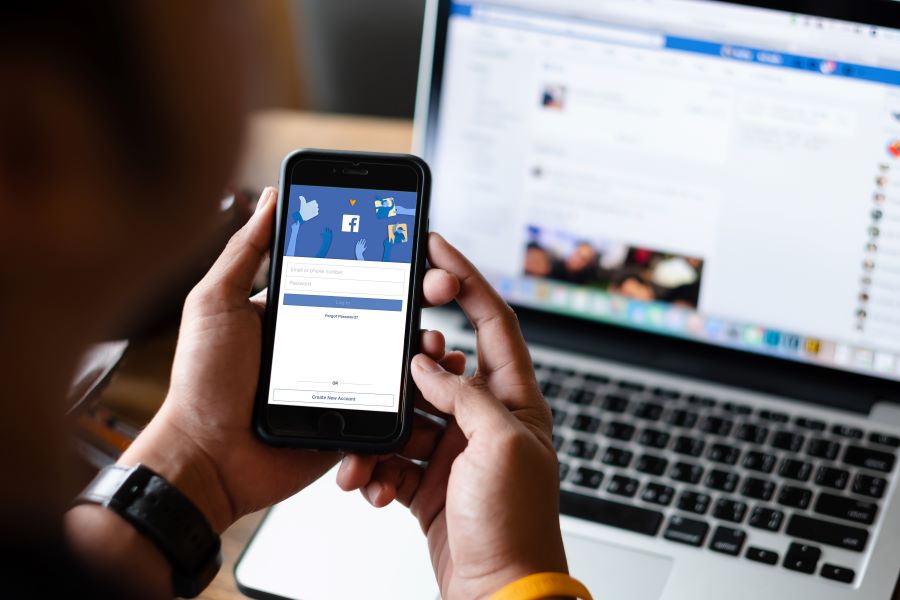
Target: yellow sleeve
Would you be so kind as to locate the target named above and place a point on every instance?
(543, 585)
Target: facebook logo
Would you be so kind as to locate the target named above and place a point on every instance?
(350, 224)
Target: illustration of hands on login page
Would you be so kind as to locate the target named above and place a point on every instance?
(350, 224)
(343, 301)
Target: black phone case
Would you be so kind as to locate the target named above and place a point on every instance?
(409, 390)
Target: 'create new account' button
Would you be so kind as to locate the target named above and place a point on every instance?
(347, 302)
(331, 397)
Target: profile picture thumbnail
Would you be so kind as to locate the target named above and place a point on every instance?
(553, 96)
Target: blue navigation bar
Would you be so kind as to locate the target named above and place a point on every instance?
(345, 302)
(780, 59)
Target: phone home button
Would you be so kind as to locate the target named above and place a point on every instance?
(331, 423)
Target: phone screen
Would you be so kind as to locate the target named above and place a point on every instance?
(344, 296)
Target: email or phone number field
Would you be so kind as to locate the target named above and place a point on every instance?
(327, 279)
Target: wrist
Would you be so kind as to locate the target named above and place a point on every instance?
(177, 458)
(553, 561)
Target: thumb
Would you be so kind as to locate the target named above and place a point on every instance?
(473, 406)
(230, 279)
(302, 201)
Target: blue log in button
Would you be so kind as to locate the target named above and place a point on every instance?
(346, 302)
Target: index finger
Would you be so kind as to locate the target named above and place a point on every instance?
(502, 354)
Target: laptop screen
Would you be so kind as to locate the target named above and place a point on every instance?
(712, 171)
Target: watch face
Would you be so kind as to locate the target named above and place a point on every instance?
(166, 517)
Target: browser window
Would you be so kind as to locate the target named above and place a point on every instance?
(704, 170)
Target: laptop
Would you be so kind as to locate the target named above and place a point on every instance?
(694, 207)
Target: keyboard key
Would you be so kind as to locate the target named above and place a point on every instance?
(727, 540)
(794, 497)
(761, 555)
(833, 478)
(723, 453)
(823, 448)
(649, 411)
(563, 470)
(559, 416)
(759, 461)
(614, 403)
(759, 489)
(695, 502)
(787, 440)
(583, 449)
(683, 418)
(622, 486)
(557, 441)
(885, 439)
(772, 415)
(841, 507)
(620, 431)
(869, 485)
(729, 510)
(686, 531)
(596, 378)
(586, 423)
(847, 431)
(654, 438)
(688, 446)
(667, 393)
(704, 401)
(631, 386)
(807, 423)
(826, 532)
(582, 396)
(562, 371)
(736, 409)
(724, 481)
(766, 518)
(652, 465)
(869, 459)
(617, 457)
(588, 478)
(716, 425)
(686, 472)
(656, 493)
(608, 512)
(802, 557)
(842, 574)
(754, 434)
(795, 469)
(551, 389)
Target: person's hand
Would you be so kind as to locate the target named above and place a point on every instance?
(202, 438)
(308, 210)
(361, 249)
(488, 499)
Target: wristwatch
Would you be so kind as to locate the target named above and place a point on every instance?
(163, 514)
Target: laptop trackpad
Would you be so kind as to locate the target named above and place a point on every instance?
(611, 571)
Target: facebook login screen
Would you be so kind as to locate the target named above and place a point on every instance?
(343, 299)
(698, 169)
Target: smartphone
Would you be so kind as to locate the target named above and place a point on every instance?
(344, 301)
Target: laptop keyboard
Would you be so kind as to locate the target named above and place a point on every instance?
(706, 472)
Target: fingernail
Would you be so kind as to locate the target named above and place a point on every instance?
(424, 363)
(373, 490)
(267, 194)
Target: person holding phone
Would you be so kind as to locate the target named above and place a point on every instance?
(114, 150)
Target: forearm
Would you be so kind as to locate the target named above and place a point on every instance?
(108, 545)
(112, 547)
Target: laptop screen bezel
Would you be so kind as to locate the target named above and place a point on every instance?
(804, 381)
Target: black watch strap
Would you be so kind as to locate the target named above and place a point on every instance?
(163, 514)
